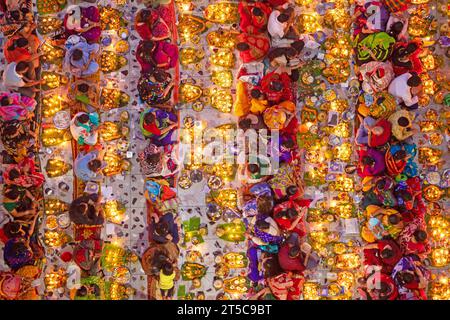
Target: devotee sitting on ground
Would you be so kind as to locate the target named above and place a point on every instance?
(22, 48)
(280, 22)
(89, 166)
(374, 133)
(411, 278)
(21, 77)
(80, 59)
(17, 253)
(376, 76)
(405, 57)
(254, 16)
(84, 21)
(23, 174)
(145, 56)
(84, 128)
(402, 124)
(406, 89)
(14, 106)
(158, 125)
(371, 162)
(385, 253)
(85, 93)
(164, 230)
(155, 87)
(86, 209)
(153, 24)
(167, 276)
(20, 203)
(165, 55)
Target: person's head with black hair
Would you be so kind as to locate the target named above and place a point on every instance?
(153, 158)
(81, 208)
(404, 194)
(386, 253)
(298, 45)
(381, 184)
(6, 101)
(83, 87)
(288, 143)
(400, 155)
(94, 165)
(245, 123)
(162, 228)
(257, 12)
(294, 252)
(405, 277)
(83, 118)
(13, 174)
(276, 53)
(291, 190)
(403, 122)
(12, 192)
(262, 225)
(82, 291)
(12, 229)
(15, 15)
(167, 269)
(384, 288)
(242, 46)
(149, 118)
(253, 168)
(414, 80)
(367, 161)
(10, 130)
(18, 43)
(256, 94)
(420, 235)
(276, 86)
(264, 205)
(295, 75)
(77, 55)
(411, 48)
(396, 29)
(21, 42)
(283, 17)
(148, 45)
(21, 67)
(290, 52)
(394, 219)
(291, 213)
(160, 75)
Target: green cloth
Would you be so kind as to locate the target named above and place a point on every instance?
(10, 206)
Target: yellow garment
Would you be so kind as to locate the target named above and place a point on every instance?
(166, 282)
(241, 106)
(401, 133)
(288, 105)
(258, 106)
(367, 235)
(275, 118)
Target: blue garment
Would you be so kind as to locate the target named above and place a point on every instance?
(78, 67)
(82, 170)
(411, 169)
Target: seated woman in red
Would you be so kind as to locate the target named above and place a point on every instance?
(289, 216)
(385, 253)
(153, 24)
(277, 87)
(254, 16)
(405, 57)
(252, 47)
(165, 55)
